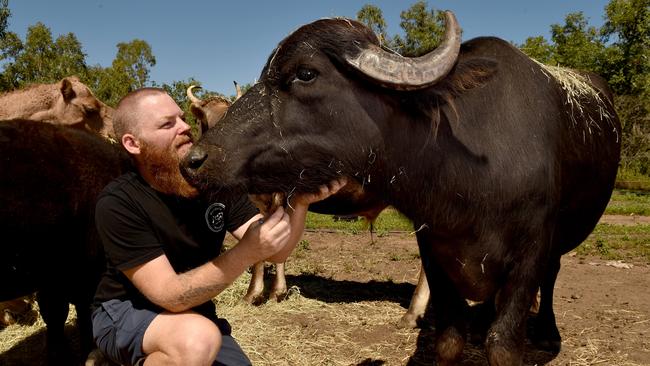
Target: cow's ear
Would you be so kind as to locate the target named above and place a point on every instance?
(469, 74)
(66, 90)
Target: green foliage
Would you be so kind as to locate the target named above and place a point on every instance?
(539, 49)
(577, 45)
(424, 30)
(372, 16)
(40, 59)
(5, 13)
(628, 23)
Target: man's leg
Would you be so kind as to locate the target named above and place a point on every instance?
(181, 339)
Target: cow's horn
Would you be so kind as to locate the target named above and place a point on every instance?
(191, 96)
(403, 73)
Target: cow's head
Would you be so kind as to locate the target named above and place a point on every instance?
(208, 111)
(78, 107)
(320, 110)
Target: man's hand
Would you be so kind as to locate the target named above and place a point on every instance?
(266, 237)
(305, 199)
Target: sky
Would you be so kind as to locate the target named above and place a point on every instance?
(217, 42)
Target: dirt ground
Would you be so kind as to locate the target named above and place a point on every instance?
(348, 292)
(603, 311)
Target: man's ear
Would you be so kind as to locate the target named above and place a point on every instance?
(131, 144)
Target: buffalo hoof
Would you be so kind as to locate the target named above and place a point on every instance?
(278, 295)
(408, 321)
(449, 347)
(545, 336)
(254, 299)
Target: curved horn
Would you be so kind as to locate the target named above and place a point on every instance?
(403, 73)
(191, 96)
(237, 90)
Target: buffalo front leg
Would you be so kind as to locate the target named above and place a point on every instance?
(418, 303)
(506, 336)
(279, 289)
(449, 308)
(255, 292)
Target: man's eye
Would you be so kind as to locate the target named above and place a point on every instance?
(305, 75)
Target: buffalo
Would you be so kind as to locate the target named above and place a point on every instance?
(50, 177)
(502, 164)
(209, 112)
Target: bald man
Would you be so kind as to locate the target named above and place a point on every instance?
(163, 246)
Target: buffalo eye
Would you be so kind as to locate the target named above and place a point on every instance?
(305, 75)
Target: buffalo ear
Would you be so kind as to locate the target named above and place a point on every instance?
(66, 90)
(469, 74)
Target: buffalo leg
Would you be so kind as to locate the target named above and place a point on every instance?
(506, 337)
(256, 286)
(418, 303)
(279, 289)
(449, 309)
(545, 333)
(54, 311)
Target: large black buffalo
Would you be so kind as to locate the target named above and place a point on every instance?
(502, 165)
(50, 177)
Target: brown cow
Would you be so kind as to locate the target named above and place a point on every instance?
(207, 111)
(68, 102)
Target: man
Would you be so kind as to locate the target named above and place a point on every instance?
(153, 304)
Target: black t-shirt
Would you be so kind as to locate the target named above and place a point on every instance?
(137, 224)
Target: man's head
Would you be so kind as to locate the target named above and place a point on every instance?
(151, 127)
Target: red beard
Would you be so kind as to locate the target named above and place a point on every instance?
(162, 168)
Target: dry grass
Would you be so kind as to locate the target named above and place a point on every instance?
(302, 331)
(578, 91)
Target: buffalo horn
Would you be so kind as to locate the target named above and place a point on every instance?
(191, 96)
(404, 73)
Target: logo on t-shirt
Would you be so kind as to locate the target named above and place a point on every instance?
(214, 216)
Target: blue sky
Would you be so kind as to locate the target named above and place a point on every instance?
(217, 42)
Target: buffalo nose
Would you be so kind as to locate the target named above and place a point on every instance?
(195, 158)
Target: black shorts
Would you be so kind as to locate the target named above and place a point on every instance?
(118, 330)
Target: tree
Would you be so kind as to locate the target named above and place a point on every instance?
(577, 45)
(128, 71)
(628, 22)
(133, 61)
(424, 30)
(372, 16)
(539, 49)
(5, 13)
(40, 59)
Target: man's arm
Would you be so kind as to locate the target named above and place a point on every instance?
(158, 281)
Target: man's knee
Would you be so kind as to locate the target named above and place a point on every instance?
(200, 345)
(185, 339)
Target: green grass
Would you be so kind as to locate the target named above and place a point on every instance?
(607, 241)
(629, 203)
(623, 202)
(614, 242)
(388, 220)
